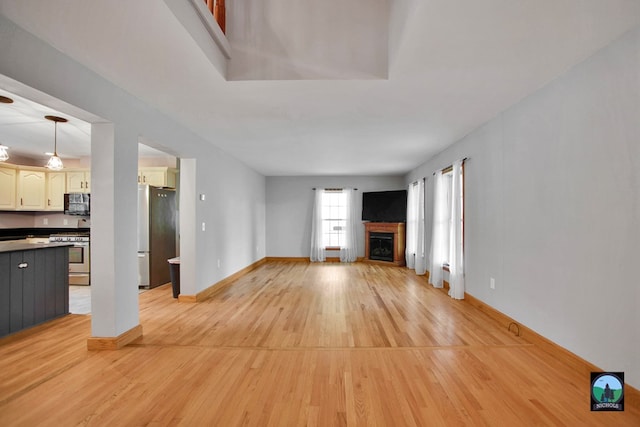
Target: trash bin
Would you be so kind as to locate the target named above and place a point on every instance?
(174, 271)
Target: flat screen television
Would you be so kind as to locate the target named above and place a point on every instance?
(384, 206)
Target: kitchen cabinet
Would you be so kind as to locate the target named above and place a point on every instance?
(34, 287)
(7, 188)
(158, 176)
(78, 181)
(56, 184)
(30, 190)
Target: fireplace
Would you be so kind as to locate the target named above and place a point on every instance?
(384, 242)
(381, 246)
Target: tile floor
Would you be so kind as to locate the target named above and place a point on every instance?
(80, 299)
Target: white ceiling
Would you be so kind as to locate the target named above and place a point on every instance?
(28, 135)
(451, 66)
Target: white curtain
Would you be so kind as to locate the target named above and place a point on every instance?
(317, 244)
(349, 252)
(456, 256)
(415, 253)
(440, 233)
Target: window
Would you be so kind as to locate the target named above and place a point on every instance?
(448, 217)
(334, 218)
(447, 245)
(333, 224)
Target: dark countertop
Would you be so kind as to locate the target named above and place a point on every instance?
(26, 245)
(23, 233)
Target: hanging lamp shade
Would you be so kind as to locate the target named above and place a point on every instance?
(55, 162)
(4, 154)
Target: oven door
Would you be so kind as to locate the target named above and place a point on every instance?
(79, 264)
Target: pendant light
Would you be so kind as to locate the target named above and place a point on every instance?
(4, 155)
(55, 162)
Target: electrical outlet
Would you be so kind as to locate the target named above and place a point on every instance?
(492, 283)
(218, 263)
(203, 226)
(45, 221)
(65, 222)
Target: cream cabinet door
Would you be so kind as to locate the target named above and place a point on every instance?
(56, 183)
(7, 188)
(157, 176)
(78, 182)
(31, 190)
(87, 182)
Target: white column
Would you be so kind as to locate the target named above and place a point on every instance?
(188, 226)
(114, 269)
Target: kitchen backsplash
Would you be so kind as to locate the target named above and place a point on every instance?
(42, 220)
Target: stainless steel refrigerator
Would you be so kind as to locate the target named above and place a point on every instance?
(156, 235)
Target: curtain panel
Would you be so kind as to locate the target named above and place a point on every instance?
(448, 227)
(440, 230)
(349, 252)
(415, 252)
(456, 253)
(317, 232)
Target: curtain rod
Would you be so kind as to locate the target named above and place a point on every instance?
(416, 181)
(450, 166)
(331, 189)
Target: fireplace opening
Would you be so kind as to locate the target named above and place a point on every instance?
(381, 246)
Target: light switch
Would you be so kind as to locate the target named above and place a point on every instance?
(203, 226)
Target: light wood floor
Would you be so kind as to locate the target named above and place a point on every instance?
(293, 344)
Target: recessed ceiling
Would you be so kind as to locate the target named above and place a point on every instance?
(451, 66)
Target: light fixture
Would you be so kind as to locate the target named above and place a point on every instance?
(55, 163)
(4, 154)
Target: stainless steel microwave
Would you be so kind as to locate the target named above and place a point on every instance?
(77, 204)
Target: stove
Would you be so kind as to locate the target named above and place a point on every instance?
(79, 256)
(69, 237)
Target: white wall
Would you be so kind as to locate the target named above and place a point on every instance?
(552, 209)
(290, 203)
(234, 211)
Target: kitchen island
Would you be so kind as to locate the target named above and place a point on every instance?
(34, 283)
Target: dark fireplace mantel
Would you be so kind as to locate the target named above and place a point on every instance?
(381, 231)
